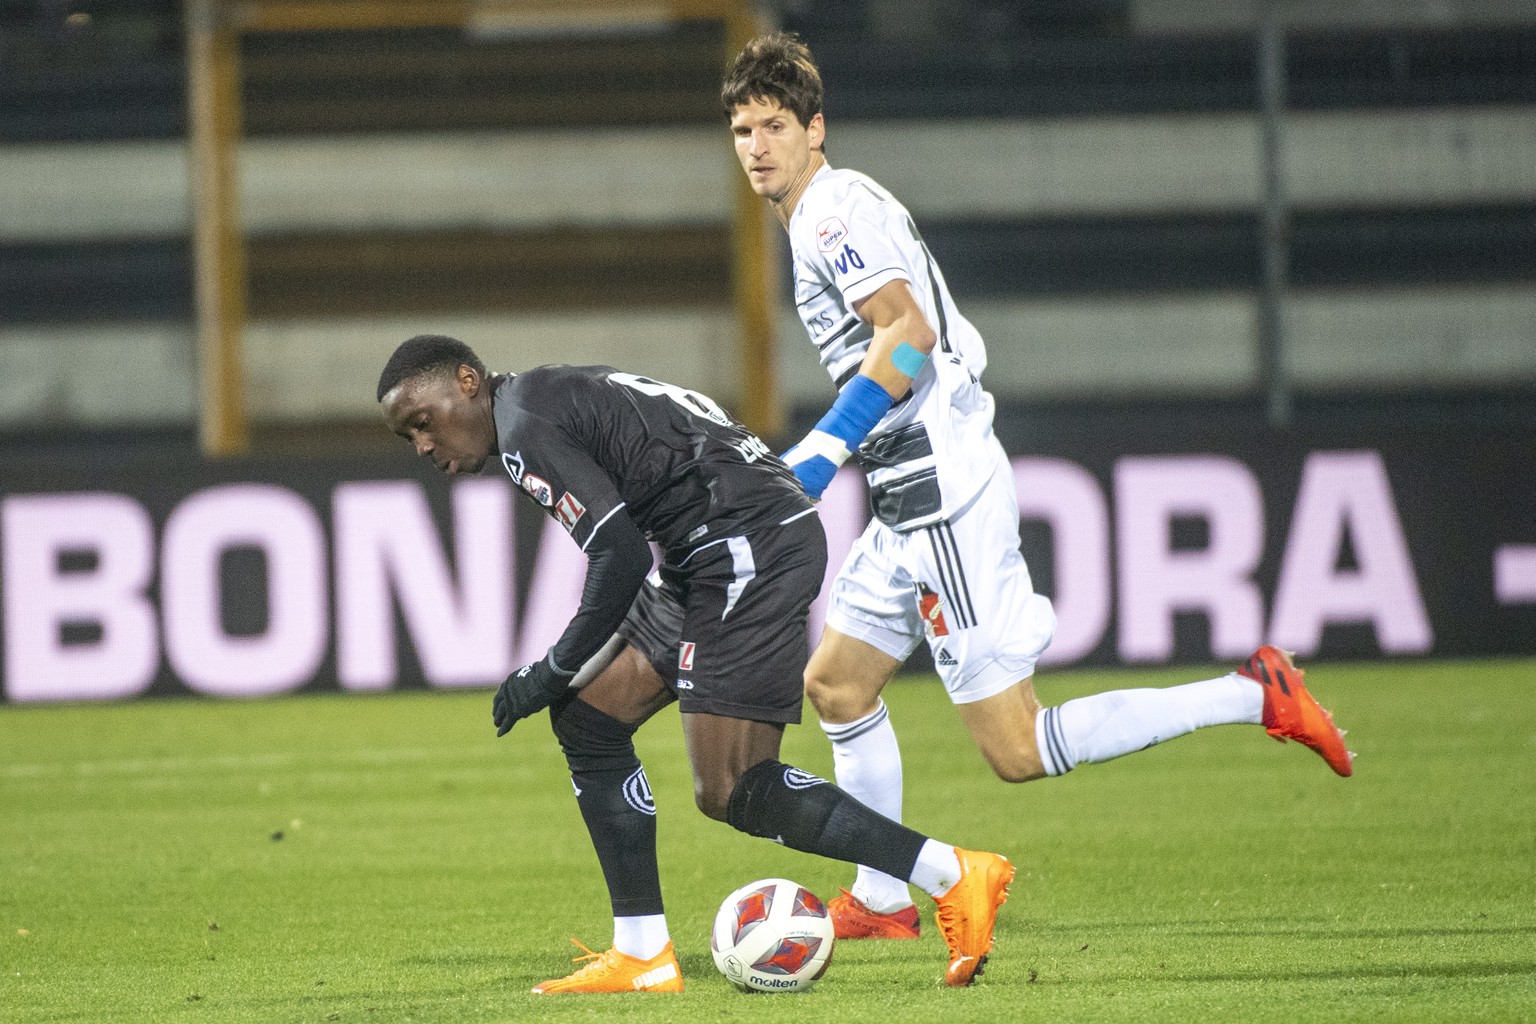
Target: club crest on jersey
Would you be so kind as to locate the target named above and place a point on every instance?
(538, 489)
(685, 650)
(829, 233)
(514, 464)
(569, 510)
(931, 607)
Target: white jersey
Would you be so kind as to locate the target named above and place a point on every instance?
(934, 450)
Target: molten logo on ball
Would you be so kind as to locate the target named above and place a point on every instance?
(772, 935)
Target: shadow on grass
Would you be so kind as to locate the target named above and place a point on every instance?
(697, 965)
(1226, 930)
(1481, 969)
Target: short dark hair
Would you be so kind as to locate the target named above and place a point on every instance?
(426, 353)
(777, 67)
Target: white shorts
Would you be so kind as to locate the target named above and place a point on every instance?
(962, 583)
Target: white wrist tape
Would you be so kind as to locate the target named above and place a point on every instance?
(819, 442)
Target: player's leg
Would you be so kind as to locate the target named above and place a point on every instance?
(987, 664)
(1003, 727)
(987, 628)
(740, 682)
(996, 654)
(721, 750)
(843, 681)
(596, 729)
(774, 800)
(871, 629)
(738, 779)
(997, 627)
(845, 677)
(1022, 741)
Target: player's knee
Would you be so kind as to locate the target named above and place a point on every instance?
(593, 740)
(712, 795)
(835, 702)
(818, 690)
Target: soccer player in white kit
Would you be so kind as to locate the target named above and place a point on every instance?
(940, 560)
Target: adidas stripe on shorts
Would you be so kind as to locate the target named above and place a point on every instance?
(962, 584)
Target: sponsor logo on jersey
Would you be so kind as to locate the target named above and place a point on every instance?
(514, 464)
(569, 510)
(685, 651)
(850, 258)
(931, 606)
(943, 657)
(796, 778)
(752, 448)
(538, 489)
(830, 232)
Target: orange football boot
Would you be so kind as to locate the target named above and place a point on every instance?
(1291, 713)
(851, 919)
(612, 971)
(969, 910)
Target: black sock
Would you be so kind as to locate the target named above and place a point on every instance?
(775, 801)
(615, 801)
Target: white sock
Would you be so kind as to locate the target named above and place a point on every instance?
(866, 763)
(1106, 725)
(641, 937)
(937, 869)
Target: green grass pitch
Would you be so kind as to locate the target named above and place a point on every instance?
(384, 858)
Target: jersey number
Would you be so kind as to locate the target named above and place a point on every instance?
(699, 405)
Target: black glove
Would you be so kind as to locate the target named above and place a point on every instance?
(527, 691)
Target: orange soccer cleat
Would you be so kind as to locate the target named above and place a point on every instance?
(969, 910)
(612, 971)
(1291, 713)
(851, 919)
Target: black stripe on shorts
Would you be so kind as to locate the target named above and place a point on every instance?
(946, 554)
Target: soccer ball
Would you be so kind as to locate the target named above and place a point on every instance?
(772, 935)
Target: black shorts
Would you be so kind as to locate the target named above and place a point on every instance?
(726, 628)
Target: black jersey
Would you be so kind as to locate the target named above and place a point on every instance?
(619, 459)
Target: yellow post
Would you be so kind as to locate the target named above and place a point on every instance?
(213, 64)
(324, 15)
(218, 244)
(754, 271)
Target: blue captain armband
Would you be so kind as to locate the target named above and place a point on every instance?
(859, 406)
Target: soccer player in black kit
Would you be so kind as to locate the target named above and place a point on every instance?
(618, 460)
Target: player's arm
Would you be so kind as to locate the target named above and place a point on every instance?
(903, 340)
(618, 560)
